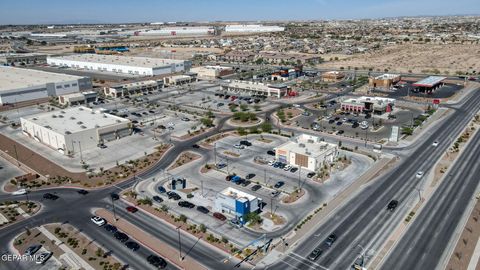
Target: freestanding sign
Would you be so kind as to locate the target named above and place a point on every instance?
(394, 135)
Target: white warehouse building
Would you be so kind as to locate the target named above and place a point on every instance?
(19, 84)
(144, 66)
(306, 151)
(75, 129)
(177, 31)
(252, 28)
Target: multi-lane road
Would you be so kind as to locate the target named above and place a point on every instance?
(364, 222)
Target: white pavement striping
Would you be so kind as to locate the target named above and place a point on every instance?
(65, 249)
(475, 257)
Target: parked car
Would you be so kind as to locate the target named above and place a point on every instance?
(250, 176)
(246, 143)
(114, 196)
(287, 168)
(355, 125)
(186, 204)
(43, 257)
(275, 193)
(271, 152)
(271, 162)
(161, 189)
(221, 165)
(331, 121)
(339, 123)
(392, 205)
(202, 209)
(122, 237)
(32, 250)
(256, 187)
(131, 209)
(340, 132)
(310, 174)
(173, 195)
(132, 245)
(219, 216)
(239, 146)
(196, 146)
(20, 192)
(246, 183)
(110, 228)
(50, 196)
(98, 220)
(419, 174)
(157, 199)
(279, 184)
(293, 169)
(156, 261)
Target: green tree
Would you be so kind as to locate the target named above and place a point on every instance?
(241, 131)
(253, 217)
(208, 122)
(266, 127)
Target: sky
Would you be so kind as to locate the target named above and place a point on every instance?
(123, 11)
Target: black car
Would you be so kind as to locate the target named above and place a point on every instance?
(310, 174)
(114, 196)
(110, 228)
(339, 123)
(246, 143)
(202, 209)
(246, 183)
(50, 196)
(122, 237)
(250, 176)
(367, 116)
(271, 152)
(173, 195)
(392, 205)
(315, 254)
(196, 146)
(331, 121)
(330, 239)
(279, 184)
(157, 199)
(132, 245)
(355, 125)
(256, 187)
(82, 191)
(186, 204)
(341, 132)
(156, 261)
(293, 169)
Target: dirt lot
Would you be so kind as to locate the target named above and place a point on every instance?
(415, 57)
(183, 159)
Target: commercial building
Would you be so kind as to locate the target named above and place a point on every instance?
(19, 84)
(333, 76)
(212, 72)
(144, 66)
(429, 84)
(75, 129)
(307, 152)
(252, 28)
(288, 58)
(78, 98)
(258, 88)
(133, 88)
(239, 56)
(21, 59)
(237, 203)
(385, 81)
(177, 31)
(378, 105)
(180, 79)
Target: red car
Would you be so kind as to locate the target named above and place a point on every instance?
(219, 216)
(131, 209)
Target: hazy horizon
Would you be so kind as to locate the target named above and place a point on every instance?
(122, 11)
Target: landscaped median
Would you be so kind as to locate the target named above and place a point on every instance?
(14, 211)
(169, 253)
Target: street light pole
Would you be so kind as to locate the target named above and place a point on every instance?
(113, 207)
(16, 154)
(215, 153)
(179, 244)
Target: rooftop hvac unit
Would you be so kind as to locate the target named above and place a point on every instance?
(310, 141)
(301, 145)
(79, 123)
(82, 126)
(72, 118)
(54, 116)
(61, 116)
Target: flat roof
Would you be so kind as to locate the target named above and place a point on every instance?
(146, 62)
(21, 54)
(430, 81)
(14, 78)
(387, 76)
(75, 119)
(377, 100)
(237, 194)
(307, 147)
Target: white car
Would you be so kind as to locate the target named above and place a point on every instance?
(271, 162)
(287, 168)
(171, 124)
(239, 146)
(43, 257)
(20, 192)
(98, 221)
(419, 174)
(435, 143)
(296, 105)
